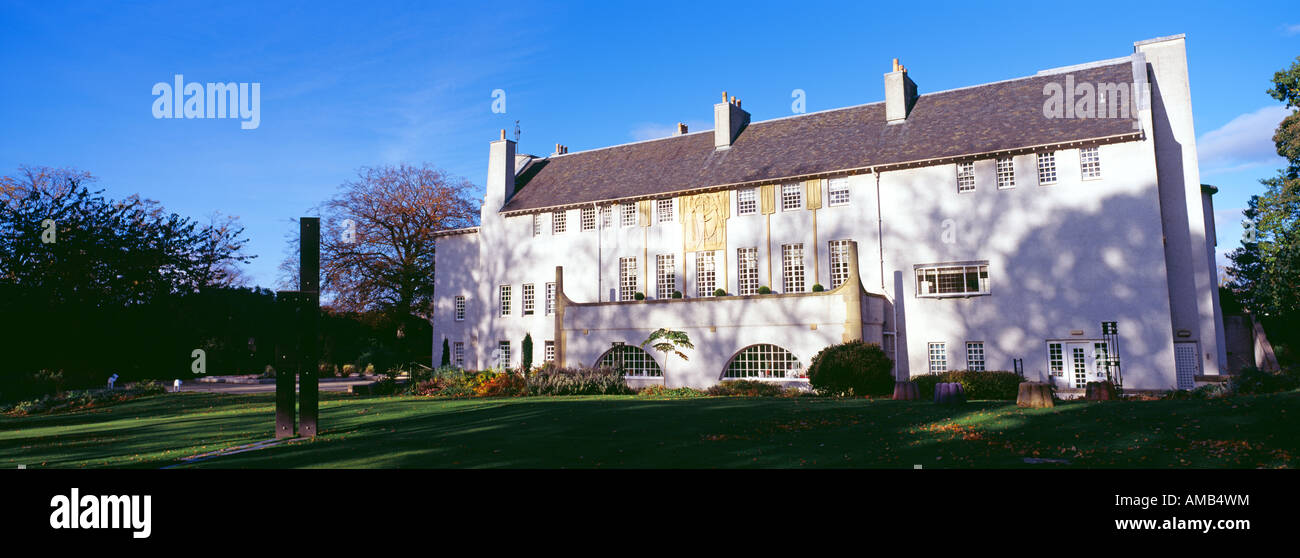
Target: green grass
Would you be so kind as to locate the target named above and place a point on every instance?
(625, 431)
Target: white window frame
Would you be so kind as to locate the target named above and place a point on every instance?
(503, 299)
(935, 280)
(746, 271)
(587, 216)
(937, 357)
(1090, 163)
(1046, 162)
(627, 278)
(537, 224)
(664, 210)
(765, 361)
(628, 214)
(665, 275)
(966, 177)
(1056, 358)
(792, 196)
(632, 360)
(837, 192)
(747, 201)
(706, 273)
(458, 354)
(559, 221)
(793, 278)
(1006, 173)
(975, 356)
(839, 254)
(503, 355)
(529, 295)
(548, 352)
(460, 308)
(550, 299)
(607, 217)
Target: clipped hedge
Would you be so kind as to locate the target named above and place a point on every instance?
(988, 384)
(856, 368)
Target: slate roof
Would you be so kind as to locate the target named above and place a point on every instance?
(983, 119)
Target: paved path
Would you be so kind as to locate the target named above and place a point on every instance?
(326, 384)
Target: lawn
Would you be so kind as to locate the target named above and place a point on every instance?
(627, 431)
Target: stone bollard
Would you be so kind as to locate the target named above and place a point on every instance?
(1100, 391)
(906, 391)
(1035, 395)
(949, 393)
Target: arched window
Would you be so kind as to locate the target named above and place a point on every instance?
(764, 362)
(631, 360)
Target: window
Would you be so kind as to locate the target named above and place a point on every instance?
(966, 176)
(1047, 168)
(550, 298)
(761, 362)
(1090, 163)
(1079, 359)
(792, 268)
(1006, 173)
(529, 299)
(975, 356)
(706, 275)
(504, 300)
(665, 276)
(631, 361)
(458, 354)
(503, 355)
(626, 278)
(588, 218)
(791, 196)
(1055, 359)
(537, 224)
(955, 280)
(839, 250)
(606, 217)
(839, 191)
(1102, 359)
(549, 354)
(460, 308)
(938, 358)
(747, 201)
(747, 260)
(664, 210)
(559, 221)
(629, 213)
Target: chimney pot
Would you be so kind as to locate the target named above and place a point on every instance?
(681, 128)
(503, 133)
(724, 96)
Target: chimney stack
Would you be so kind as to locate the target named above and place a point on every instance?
(681, 129)
(900, 94)
(728, 121)
(501, 174)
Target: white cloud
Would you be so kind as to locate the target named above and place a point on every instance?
(1291, 29)
(1245, 141)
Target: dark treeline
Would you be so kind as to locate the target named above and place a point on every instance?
(91, 286)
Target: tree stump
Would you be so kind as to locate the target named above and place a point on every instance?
(949, 393)
(906, 391)
(1100, 391)
(1035, 395)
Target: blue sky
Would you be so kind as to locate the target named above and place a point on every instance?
(345, 85)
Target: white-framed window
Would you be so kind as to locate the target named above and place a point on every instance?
(629, 214)
(1090, 163)
(550, 298)
(549, 354)
(839, 250)
(706, 273)
(460, 308)
(537, 224)
(938, 358)
(838, 191)
(952, 279)
(747, 201)
(975, 356)
(747, 276)
(1079, 361)
(631, 361)
(1055, 359)
(559, 221)
(792, 268)
(503, 355)
(503, 299)
(764, 362)
(665, 276)
(607, 217)
(1046, 168)
(664, 210)
(966, 176)
(458, 354)
(588, 218)
(528, 296)
(1006, 173)
(791, 196)
(627, 278)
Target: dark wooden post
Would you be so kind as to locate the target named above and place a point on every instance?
(309, 318)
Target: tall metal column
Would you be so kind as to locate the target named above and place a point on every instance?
(309, 320)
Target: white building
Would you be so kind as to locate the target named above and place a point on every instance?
(963, 229)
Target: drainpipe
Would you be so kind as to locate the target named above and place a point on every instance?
(880, 239)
